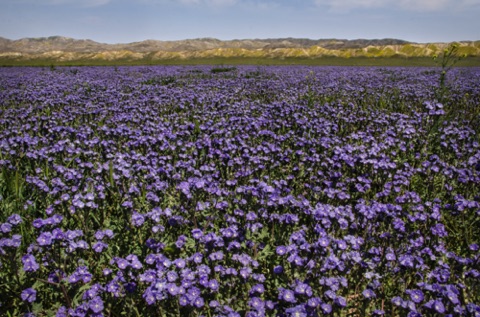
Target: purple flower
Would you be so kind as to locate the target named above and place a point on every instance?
(331, 294)
(438, 306)
(416, 295)
(179, 263)
(93, 291)
(197, 234)
(99, 235)
(459, 310)
(281, 250)
(340, 301)
(138, 219)
(180, 241)
(326, 308)
(410, 305)
(82, 244)
(81, 273)
(58, 234)
(324, 242)
(256, 303)
(193, 292)
(341, 244)
(172, 276)
(172, 289)
(96, 304)
(29, 263)
(14, 219)
(245, 272)
(439, 230)
(303, 289)
(29, 295)
(183, 300)
(198, 302)
(399, 225)
(397, 301)
(453, 298)
(297, 311)
(14, 242)
(5, 227)
(89, 196)
(213, 304)
(406, 260)
(122, 264)
(136, 264)
(473, 309)
(287, 295)
(474, 246)
(216, 256)
(298, 260)
(45, 238)
(184, 187)
(99, 246)
(213, 284)
(62, 312)
(197, 257)
(313, 302)
(228, 232)
(257, 289)
(73, 234)
(231, 271)
(390, 256)
(150, 297)
(368, 294)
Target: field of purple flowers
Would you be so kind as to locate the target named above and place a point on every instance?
(247, 191)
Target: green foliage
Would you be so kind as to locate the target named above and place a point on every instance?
(394, 60)
(446, 60)
(222, 69)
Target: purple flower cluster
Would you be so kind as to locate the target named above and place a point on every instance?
(261, 191)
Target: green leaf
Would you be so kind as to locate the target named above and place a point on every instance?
(190, 244)
(266, 253)
(264, 233)
(170, 249)
(79, 293)
(37, 284)
(37, 308)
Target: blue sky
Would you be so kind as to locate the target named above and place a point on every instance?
(123, 21)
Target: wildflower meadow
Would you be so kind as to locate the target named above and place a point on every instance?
(239, 191)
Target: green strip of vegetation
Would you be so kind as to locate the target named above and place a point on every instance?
(321, 61)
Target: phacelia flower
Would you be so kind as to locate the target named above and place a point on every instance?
(29, 295)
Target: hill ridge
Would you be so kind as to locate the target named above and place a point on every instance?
(69, 49)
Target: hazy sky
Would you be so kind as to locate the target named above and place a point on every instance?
(123, 21)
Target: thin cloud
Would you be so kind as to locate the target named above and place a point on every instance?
(344, 5)
(408, 5)
(426, 5)
(252, 4)
(77, 3)
(210, 3)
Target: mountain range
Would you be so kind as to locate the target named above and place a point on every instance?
(58, 48)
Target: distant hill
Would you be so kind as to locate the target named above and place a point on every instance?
(58, 48)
